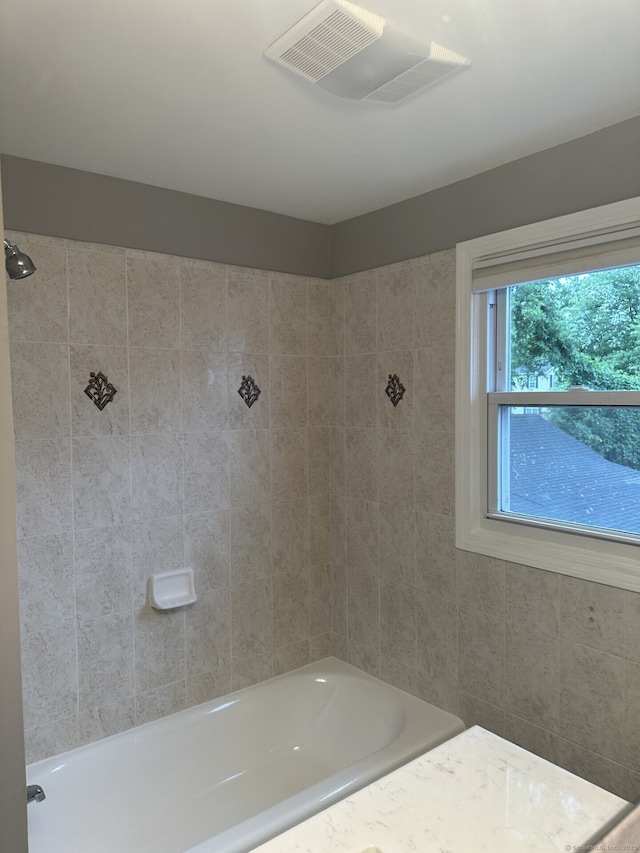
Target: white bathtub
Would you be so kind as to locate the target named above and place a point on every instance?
(226, 776)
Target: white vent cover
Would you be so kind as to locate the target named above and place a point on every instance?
(356, 54)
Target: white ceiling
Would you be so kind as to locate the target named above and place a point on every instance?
(178, 94)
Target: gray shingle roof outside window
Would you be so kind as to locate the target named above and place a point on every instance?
(555, 476)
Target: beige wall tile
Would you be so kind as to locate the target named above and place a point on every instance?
(159, 648)
(50, 673)
(481, 650)
(251, 621)
(587, 764)
(630, 736)
(319, 529)
(209, 685)
(38, 305)
(249, 467)
(319, 321)
(86, 418)
(591, 711)
(206, 472)
(396, 537)
(248, 310)
(157, 547)
(319, 389)
(208, 633)
(290, 608)
(362, 535)
(46, 580)
(153, 301)
(250, 544)
(435, 555)
(160, 702)
(287, 314)
(337, 461)
(204, 391)
(106, 720)
(481, 582)
(398, 637)
(437, 633)
(592, 614)
(398, 363)
(105, 659)
(203, 306)
(252, 670)
(360, 314)
(103, 571)
(288, 391)
(438, 693)
(289, 535)
(286, 658)
(434, 395)
(434, 472)
(477, 712)
(365, 657)
(396, 467)
(360, 377)
(156, 475)
(435, 299)
(97, 297)
(361, 464)
(40, 390)
(288, 464)
(395, 290)
(335, 345)
(337, 391)
(632, 625)
(258, 415)
(154, 376)
(207, 549)
(532, 598)
(363, 601)
(319, 460)
(51, 738)
(537, 740)
(43, 482)
(101, 493)
(532, 675)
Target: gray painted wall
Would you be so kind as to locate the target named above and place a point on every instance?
(597, 169)
(62, 202)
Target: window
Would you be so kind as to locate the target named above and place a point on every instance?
(548, 395)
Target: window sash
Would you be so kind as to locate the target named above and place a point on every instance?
(498, 450)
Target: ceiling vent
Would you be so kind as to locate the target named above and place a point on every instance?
(356, 54)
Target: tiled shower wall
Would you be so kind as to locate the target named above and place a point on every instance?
(546, 660)
(175, 471)
(320, 520)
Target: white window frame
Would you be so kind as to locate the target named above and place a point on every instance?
(616, 563)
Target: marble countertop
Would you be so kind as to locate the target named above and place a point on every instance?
(476, 792)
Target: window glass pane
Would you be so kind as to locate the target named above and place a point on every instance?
(577, 464)
(579, 330)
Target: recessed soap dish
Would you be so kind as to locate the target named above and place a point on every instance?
(172, 589)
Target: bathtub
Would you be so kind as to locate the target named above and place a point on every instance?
(227, 775)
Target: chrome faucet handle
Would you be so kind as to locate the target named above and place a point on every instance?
(35, 792)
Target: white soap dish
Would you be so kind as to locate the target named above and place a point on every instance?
(172, 589)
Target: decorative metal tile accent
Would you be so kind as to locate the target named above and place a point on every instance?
(100, 390)
(395, 389)
(248, 390)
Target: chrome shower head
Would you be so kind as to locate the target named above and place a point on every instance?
(17, 263)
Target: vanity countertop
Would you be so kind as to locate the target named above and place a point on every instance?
(476, 792)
